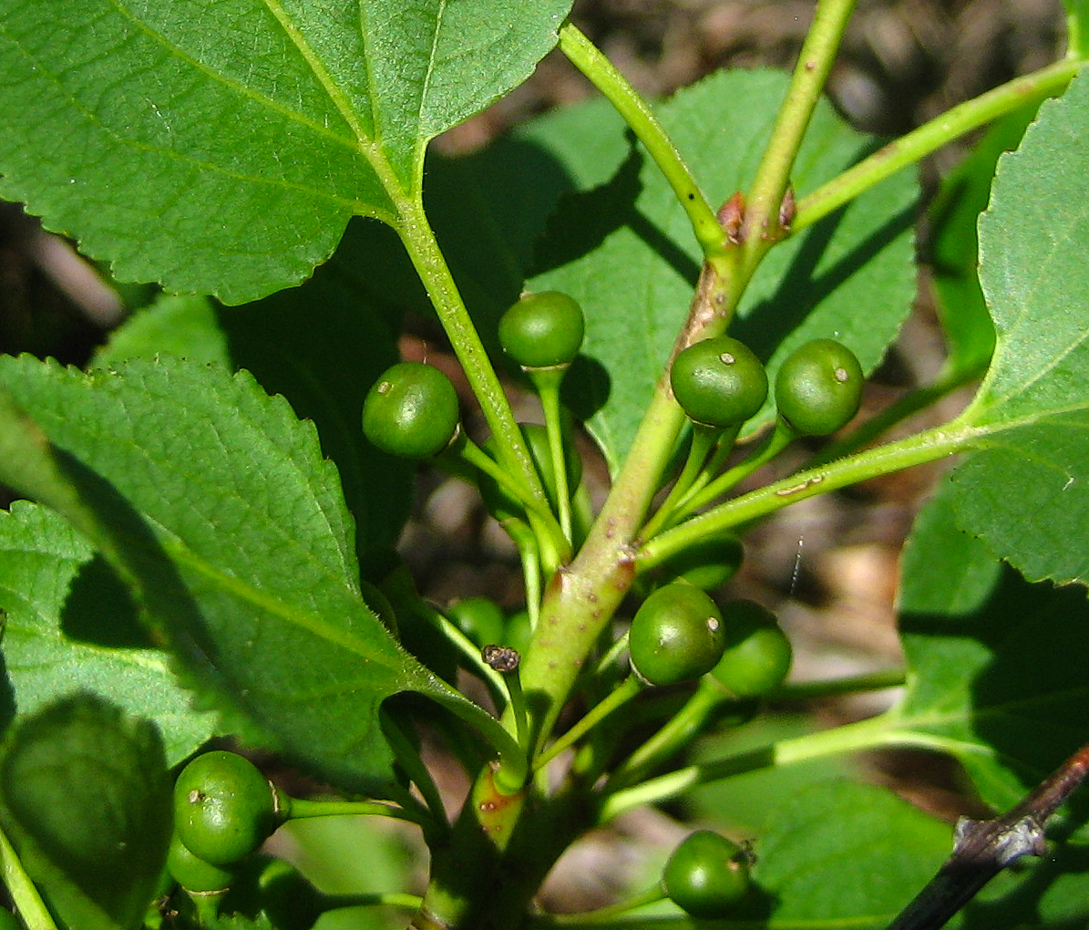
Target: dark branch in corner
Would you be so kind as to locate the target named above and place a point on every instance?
(983, 848)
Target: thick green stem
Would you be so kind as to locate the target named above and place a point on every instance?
(638, 115)
(931, 136)
(583, 596)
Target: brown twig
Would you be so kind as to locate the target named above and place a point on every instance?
(983, 848)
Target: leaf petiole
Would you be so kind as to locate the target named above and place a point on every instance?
(29, 904)
(627, 101)
(908, 149)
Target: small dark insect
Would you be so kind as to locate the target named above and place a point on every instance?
(501, 658)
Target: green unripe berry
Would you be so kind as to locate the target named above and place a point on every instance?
(479, 618)
(707, 875)
(193, 873)
(542, 330)
(411, 411)
(758, 654)
(719, 382)
(224, 808)
(519, 632)
(818, 388)
(676, 635)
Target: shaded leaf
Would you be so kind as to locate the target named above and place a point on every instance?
(86, 799)
(71, 625)
(997, 665)
(231, 166)
(221, 513)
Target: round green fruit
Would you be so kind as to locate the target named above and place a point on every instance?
(758, 654)
(707, 875)
(818, 388)
(542, 330)
(719, 382)
(676, 635)
(193, 873)
(224, 808)
(411, 411)
(479, 618)
(519, 632)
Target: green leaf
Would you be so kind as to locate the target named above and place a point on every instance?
(321, 345)
(625, 249)
(86, 800)
(212, 500)
(1026, 492)
(72, 625)
(996, 665)
(231, 166)
(843, 855)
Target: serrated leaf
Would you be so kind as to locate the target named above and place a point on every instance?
(842, 855)
(996, 665)
(220, 511)
(1026, 492)
(626, 251)
(231, 166)
(86, 799)
(321, 345)
(71, 625)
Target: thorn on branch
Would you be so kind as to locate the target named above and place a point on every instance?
(983, 848)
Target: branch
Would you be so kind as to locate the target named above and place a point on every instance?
(983, 848)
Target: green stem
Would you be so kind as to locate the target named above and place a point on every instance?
(597, 917)
(518, 705)
(926, 446)
(615, 88)
(778, 440)
(496, 686)
(530, 557)
(852, 737)
(24, 895)
(335, 902)
(762, 224)
(703, 441)
(430, 264)
(513, 764)
(838, 687)
(469, 452)
(307, 808)
(676, 733)
(432, 817)
(547, 383)
(908, 149)
(620, 696)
